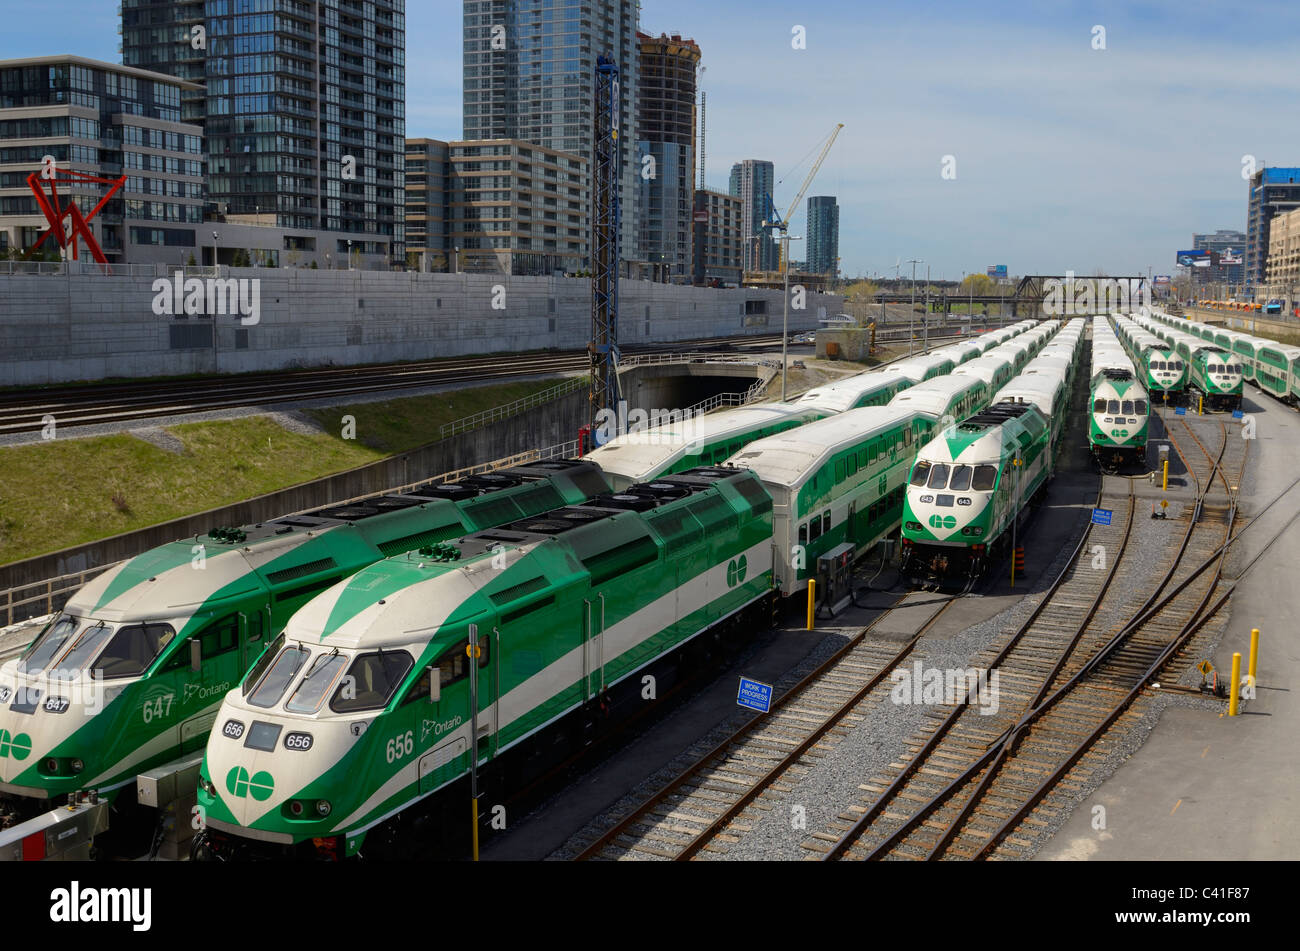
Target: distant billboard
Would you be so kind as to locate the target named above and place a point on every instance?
(1230, 256)
(1161, 279)
(1197, 258)
(997, 271)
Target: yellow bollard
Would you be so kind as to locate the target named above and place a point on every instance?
(1254, 652)
(1234, 684)
(474, 810)
(1164, 486)
(1200, 406)
(812, 600)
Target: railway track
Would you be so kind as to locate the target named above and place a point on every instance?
(973, 790)
(81, 405)
(705, 806)
(26, 411)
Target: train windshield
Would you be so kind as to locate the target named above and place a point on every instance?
(1112, 406)
(86, 646)
(1099, 406)
(263, 662)
(1140, 407)
(985, 478)
(960, 480)
(920, 473)
(1127, 408)
(132, 649)
(371, 681)
(45, 647)
(316, 685)
(938, 476)
(277, 678)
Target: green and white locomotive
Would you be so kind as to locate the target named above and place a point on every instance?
(130, 674)
(362, 707)
(1217, 377)
(1118, 406)
(1164, 370)
(968, 487)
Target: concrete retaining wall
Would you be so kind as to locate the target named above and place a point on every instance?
(90, 326)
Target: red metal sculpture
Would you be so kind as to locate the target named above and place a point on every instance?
(55, 212)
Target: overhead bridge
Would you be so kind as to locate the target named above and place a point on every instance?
(1036, 292)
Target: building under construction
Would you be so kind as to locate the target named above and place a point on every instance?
(666, 154)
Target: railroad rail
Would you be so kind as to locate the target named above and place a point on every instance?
(971, 791)
(696, 809)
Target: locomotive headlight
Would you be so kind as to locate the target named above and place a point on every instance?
(322, 807)
(51, 765)
(78, 765)
(295, 807)
(207, 786)
(913, 526)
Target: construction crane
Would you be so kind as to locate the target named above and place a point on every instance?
(783, 224)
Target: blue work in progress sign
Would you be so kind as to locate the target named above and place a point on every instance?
(1236, 414)
(754, 695)
(1181, 411)
(1101, 516)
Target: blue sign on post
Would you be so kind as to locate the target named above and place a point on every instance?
(1102, 516)
(1236, 414)
(754, 695)
(1181, 411)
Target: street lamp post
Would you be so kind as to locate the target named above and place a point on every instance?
(215, 266)
(349, 254)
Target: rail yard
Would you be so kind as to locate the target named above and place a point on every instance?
(956, 691)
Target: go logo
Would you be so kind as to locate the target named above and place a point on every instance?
(736, 571)
(259, 786)
(18, 746)
(943, 521)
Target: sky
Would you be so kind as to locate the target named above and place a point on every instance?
(1064, 155)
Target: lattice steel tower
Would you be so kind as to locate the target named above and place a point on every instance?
(606, 221)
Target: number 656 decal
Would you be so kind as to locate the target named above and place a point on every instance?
(401, 745)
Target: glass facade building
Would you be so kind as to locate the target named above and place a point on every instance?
(304, 107)
(666, 153)
(1272, 192)
(529, 75)
(104, 120)
(823, 235)
(752, 181)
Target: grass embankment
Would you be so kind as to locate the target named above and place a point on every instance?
(70, 491)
